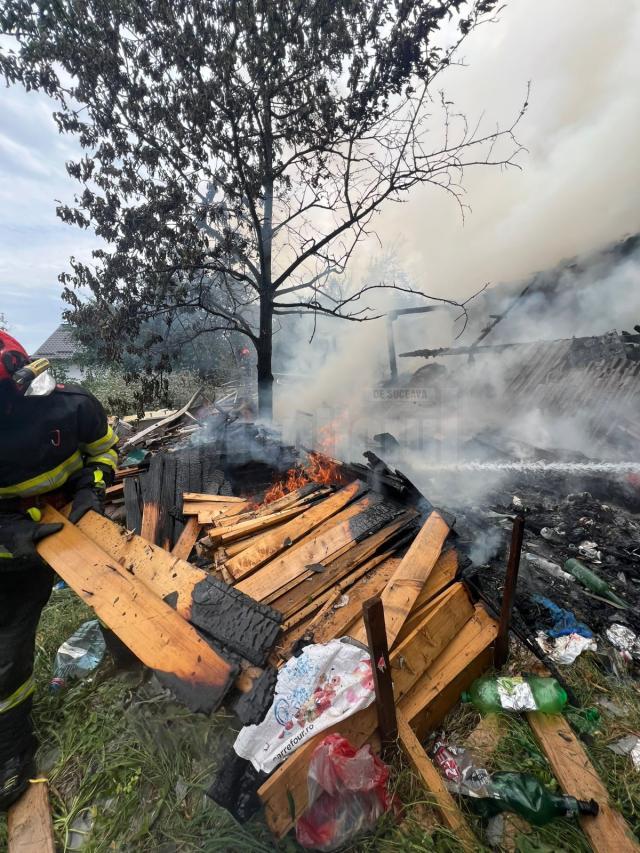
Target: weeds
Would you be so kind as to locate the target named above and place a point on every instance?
(129, 768)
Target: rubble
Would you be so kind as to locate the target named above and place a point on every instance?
(239, 552)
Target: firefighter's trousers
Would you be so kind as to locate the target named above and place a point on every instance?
(23, 594)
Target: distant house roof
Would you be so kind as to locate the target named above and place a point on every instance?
(61, 344)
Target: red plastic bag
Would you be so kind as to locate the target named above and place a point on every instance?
(347, 794)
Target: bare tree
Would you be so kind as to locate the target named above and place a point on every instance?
(238, 152)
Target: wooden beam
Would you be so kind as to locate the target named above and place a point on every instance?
(577, 777)
(291, 565)
(282, 538)
(162, 572)
(440, 578)
(433, 782)
(373, 618)
(286, 788)
(411, 575)
(330, 596)
(149, 627)
(185, 544)
(29, 823)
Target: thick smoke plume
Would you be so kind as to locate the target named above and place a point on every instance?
(576, 194)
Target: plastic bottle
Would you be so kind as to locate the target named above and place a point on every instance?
(592, 581)
(493, 695)
(523, 794)
(550, 568)
(79, 655)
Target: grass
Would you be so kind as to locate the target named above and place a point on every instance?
(129, 768)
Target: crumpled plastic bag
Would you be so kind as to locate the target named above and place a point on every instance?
(567, 648)
(348, 793)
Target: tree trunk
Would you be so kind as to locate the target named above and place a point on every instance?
(264, 349)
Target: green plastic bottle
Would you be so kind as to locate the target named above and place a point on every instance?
(499, 695)
(523, 794)
(592, 581)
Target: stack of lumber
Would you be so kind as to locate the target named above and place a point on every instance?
(215, 602)
(247, 582)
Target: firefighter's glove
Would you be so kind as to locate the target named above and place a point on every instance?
(90, 495)
(19, 535)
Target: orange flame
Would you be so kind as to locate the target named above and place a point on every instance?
(318, 469)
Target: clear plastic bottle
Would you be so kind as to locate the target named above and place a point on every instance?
(494, 695)
(79, 655)
(523, 794)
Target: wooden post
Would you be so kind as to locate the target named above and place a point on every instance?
(501, 651)
(373, 617)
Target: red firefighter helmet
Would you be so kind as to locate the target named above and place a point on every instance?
(13, 356)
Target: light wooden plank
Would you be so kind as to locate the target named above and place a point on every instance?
(187, 497)
(162, 572)
(149, 627)
(223, 535)
(433, 782)
(608, 831)
(411, 575)
(187, 539)
(29, 824)
(282, 538)
(115, 491)
(213, 511)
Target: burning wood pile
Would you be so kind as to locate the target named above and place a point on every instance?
(230, 568)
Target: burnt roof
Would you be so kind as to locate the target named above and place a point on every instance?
(61, 344)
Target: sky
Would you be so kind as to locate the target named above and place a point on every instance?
(579, 186)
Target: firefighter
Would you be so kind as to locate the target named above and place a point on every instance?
(55, 442)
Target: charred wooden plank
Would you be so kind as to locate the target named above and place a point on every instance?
(222, 612)
(167, 502)
(152, 630)
(132, 501)
(373, 618)
(249, 628)
(152, 496)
